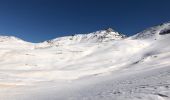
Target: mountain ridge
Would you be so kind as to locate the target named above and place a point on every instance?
(106, 35)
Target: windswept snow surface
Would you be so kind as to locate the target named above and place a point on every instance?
(103, 65)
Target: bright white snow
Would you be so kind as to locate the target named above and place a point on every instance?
(103, 65)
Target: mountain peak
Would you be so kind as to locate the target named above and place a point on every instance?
(109, 30)
(94, 37)
(10, 39)
(154, 32)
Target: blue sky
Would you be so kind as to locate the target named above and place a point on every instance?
(39, 20)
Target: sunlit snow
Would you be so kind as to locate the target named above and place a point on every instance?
(102, 65)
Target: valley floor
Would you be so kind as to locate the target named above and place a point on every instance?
(153, 84)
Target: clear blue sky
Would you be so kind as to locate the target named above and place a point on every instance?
(39, 20)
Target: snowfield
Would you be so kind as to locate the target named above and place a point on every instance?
(102, 65)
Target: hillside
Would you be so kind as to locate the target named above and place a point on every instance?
(103, 65)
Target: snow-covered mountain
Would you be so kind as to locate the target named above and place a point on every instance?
(103, 65)
(11, 42)
(94, 37)
(10, 39)
(155, 32)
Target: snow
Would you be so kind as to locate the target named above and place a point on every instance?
(102, 65)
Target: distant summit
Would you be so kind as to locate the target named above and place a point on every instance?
(109, 30)
(10, 39)
(94, 37)
(154, 32)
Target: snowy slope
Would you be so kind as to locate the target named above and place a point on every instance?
(155, 32)
(102, 65)
(94, 37)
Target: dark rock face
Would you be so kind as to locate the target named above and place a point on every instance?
(109, 30)
(165, 32)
